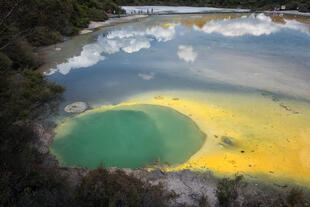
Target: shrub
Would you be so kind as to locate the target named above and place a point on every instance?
(111, 6)
(98, 15)
(44, 36)
(292, 5)
(5, 62)
(203, 201)
(102, 188)
(21, 54)
(295, 198)
(227, 190)
(304, 7)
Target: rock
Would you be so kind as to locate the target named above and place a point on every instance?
(50, 161)
(74, 175)
(227, 140)
(86, 31)
(189, 185)
(158, 98)
(77, 107)
(45, 137)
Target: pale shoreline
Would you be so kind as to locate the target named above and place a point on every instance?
(171, 10)
(110, 22)
(289, 12)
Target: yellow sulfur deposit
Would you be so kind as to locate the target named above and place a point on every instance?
(255, 134)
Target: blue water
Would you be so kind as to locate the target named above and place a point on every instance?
(220, 52)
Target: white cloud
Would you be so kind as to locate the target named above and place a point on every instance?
(115, 41)
(253, 25)
(90, 55)
(162, 34)
(186, 53)
(136, 45)
(146, 76)
(128, 44)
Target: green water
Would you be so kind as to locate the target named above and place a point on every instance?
(127, 137)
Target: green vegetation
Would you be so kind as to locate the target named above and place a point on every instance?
(301, 5)
(295, 198)
(228, 190)
(44, 22)
(26, 96)
(103, 188)
(237, 192)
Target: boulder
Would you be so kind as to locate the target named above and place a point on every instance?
(77, 107)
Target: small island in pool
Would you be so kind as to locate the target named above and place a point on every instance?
(76, 107)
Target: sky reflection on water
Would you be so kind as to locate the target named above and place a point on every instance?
(191, 51)
(250, 25)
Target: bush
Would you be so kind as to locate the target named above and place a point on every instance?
(110, 6)
(203, 201)
(291, 5)
(5, 62)
(27, 95)
(304, 7)
(102, 188)
(44, 36)
(21, 54)
(98, 15)
(227, 190)
(295, 198)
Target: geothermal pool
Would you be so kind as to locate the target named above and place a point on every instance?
(128, 137)
(222, 92)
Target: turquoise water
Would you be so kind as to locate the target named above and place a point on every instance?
(128, 137)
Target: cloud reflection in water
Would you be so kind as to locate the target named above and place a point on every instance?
(132, 41)
(186, 53)
(252, 25)
(115, 41)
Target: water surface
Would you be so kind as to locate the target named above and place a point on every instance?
(204, 52)
(128, 137)
(242, 76)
